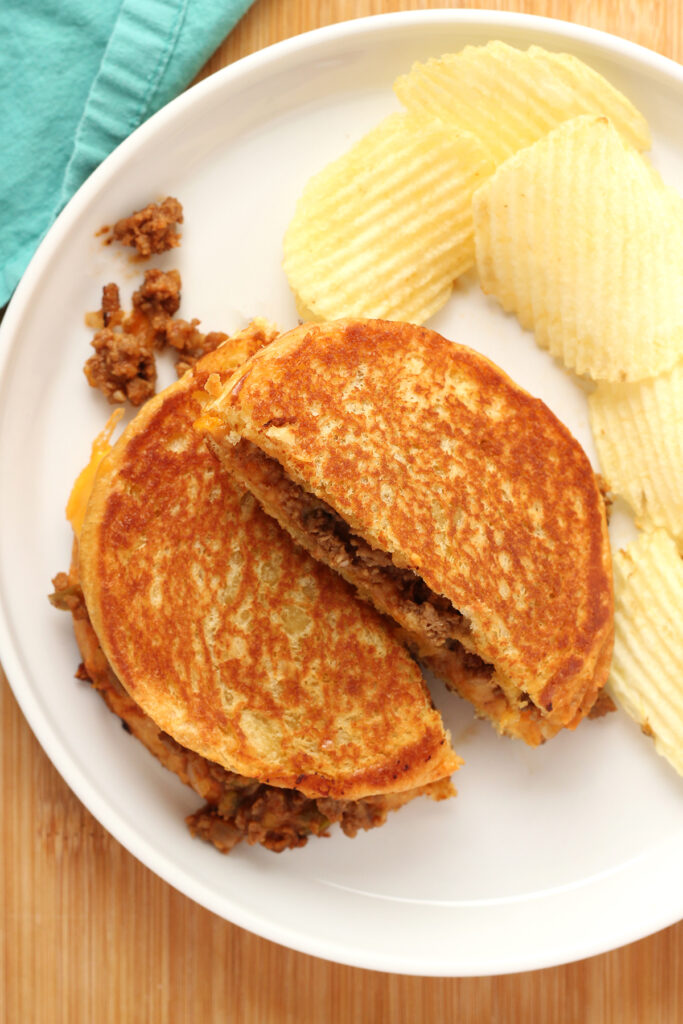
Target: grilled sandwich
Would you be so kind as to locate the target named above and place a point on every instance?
(248, 667)
(452, 500)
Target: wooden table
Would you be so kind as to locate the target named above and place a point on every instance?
(90, 935)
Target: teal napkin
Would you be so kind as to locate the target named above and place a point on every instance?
(76, 77)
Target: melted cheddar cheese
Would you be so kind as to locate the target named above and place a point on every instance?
(82, 488)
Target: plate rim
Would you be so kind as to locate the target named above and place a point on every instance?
(10, 652)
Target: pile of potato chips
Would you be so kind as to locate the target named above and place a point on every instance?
(528, 165)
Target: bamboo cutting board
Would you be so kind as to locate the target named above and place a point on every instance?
(89, 935)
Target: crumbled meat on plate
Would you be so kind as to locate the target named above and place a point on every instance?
(158, 298)
(111, 303)
(603, 705)
(124, 367)
(151, 230)
(432, 613)
(190, 343)
(67, 596)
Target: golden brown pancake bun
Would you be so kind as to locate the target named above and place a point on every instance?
(234, 641)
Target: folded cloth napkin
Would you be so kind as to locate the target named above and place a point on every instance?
(76, 77)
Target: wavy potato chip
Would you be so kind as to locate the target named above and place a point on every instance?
(638, 430)
(510, 98)
(647, 667)
(580, 238)
(384, 230)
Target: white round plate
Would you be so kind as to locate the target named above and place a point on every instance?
(546, 855)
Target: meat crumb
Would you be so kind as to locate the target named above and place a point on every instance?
(157, 299)
(111, 303)
(190, 343)
(151, 230)
(123, 367)
(603, 705)
(159, 293)
(67, 595)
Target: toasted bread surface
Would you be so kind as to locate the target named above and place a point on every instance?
(234, 641)
(236, 808)
(430, 453)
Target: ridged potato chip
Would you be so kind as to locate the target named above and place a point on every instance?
(638, 430)
(384, 230)
(510, 98)
(647, 667)
(580, 238)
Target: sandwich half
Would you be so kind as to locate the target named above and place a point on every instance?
(253, 665)
(454, 501)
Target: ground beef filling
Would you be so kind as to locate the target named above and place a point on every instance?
(432, 615)
(439, 620)
(436, 617)
(432, 625)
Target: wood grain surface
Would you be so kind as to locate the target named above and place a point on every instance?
(89, 935)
